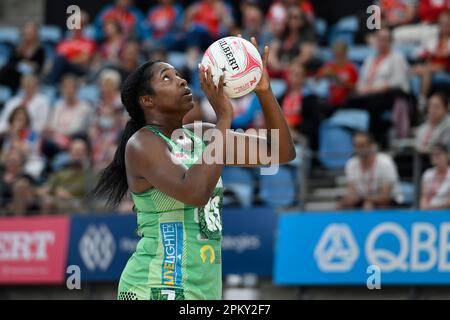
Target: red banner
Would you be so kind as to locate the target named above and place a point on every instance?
(33, 249)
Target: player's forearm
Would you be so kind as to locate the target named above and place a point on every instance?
(203, 176)
(274, 119)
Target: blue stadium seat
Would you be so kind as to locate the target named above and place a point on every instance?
(177, 59)
(52, 34)
(5, 94)
(320, 26)
(349, 24)
(5, 51)
(341, 36)
(90, 32)
(358, 54)
(344, 30)
(354, 119)
(278, 87)
(50, 92)
(240, 182)
(408, 192)
(335, 145)
(278, 190)
(9, 35)
(89, 93)
(325, 54)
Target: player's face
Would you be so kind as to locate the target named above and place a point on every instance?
(171, 91)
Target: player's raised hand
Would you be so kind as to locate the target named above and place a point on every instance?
(215, 94)
(264, 83)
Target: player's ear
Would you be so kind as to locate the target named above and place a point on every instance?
(146, 101)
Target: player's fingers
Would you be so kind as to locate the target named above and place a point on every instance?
(221, 82)
(201, 73)
(266, 56)
(209, 79)
(253, 40)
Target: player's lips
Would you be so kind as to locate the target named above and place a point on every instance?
(187, 92)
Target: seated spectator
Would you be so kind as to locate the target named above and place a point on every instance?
(74, 54)
(205, 22)
(129, 17)
(253, 24)
(109, 83)
(428, 14)
(67, 188)
(436, 53)
(71, 115)
(103, 134)
(371, 176)
(165, 26)
(396, 13)
(27, 58)
(17, 192)
(342, 74)
(298, 42)
(278, 11)
(436, 129)
(113, 43)
(436, 180)
(303, 113)
(130, 58)
(35, 103)
(383, 81)
(19, 135)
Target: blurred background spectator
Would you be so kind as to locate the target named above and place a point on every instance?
(436, 180)
(371, 176)
(28, 58)
(36, 103)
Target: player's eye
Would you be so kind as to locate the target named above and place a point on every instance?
(166, 78)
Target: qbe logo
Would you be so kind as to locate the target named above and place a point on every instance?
(97, 247)
(337, 249)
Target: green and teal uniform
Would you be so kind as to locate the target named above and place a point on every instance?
(179, 254)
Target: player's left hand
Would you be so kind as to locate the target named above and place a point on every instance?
(264, 83)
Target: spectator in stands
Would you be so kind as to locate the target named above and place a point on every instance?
(371, 176)
(130, 18)
(130, 58)
(302, 111)
(113, 43)
(383, 81)
(74, 54)
(205, 22)
(109, 83)
(103, 134)
(436, 180)
(342, 75)
(165, 26)
(436, 129)
(428, 14)
(435, 51)
(37, 104)
(71, 115)
(396, 13)
(278, 11)
(27, 58)
(298, 42)
(19, 135)
(67, 188)
(16, 187)
(253, 23)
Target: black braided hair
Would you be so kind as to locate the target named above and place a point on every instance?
(113, 180)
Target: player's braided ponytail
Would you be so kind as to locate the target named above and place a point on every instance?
(113, 181)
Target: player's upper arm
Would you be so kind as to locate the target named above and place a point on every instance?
(158, 166)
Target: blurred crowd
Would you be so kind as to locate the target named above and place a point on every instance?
(61, 124)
